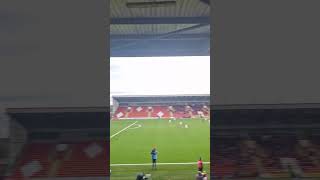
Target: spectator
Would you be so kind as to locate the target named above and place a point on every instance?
(154, 156)
(204, 174)
(141, 176)
(200, 165)
(199, 176)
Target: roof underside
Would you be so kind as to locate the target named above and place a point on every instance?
(268, 118)
(61, 118)
(182, 29)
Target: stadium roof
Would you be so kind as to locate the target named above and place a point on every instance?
(162, 28)
(162, 98)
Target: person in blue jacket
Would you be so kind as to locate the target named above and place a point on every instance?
(154, 157)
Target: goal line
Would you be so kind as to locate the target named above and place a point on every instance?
(149, 164)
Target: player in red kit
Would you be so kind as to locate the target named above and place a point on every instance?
(200, 165)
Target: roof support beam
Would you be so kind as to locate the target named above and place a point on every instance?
(162, 20)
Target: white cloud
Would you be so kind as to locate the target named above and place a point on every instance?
(160, 75)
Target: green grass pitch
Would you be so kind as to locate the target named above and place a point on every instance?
(131, 148)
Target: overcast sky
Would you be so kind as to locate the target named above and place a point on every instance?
(160, 75)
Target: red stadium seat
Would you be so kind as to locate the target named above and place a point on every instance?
(75, 163)
(162, 110)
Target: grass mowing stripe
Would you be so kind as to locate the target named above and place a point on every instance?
(148, 164)
(123, 129)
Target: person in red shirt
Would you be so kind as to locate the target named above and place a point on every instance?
(200, 165)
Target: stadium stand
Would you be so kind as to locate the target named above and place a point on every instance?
(34, 157)
(186, 106)
(247, 149)
(89, 158)
(40, 160)
(160, 110)
(265, 157)
(75, 147)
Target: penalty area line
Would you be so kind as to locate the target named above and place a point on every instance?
(123, 129)
(149, 164)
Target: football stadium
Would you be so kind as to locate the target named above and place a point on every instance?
(177, 126)
(159, 89)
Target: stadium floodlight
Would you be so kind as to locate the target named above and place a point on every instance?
(150, 4)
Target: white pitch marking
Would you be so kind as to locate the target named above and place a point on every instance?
(149, 164)
(138, 126)
(123, 129)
